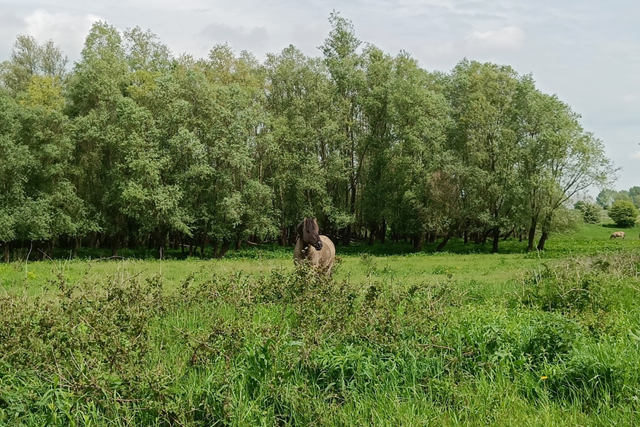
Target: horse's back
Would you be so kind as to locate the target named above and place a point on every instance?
(328, 254)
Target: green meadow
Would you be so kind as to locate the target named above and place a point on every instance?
(458, 338)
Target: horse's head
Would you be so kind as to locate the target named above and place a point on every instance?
(309, 232)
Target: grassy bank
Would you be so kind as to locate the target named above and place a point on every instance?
(393, 339)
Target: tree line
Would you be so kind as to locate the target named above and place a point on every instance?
(135, 146)
(607, 197)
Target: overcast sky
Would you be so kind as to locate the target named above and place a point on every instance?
(586, 51)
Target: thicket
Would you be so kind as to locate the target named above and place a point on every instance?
(298, 349)
(137, 147)
(623, 213)
(591, 212)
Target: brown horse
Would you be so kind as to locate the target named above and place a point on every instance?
(313, 248)
(617, 234)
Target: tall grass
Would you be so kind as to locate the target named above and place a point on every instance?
(292, 348)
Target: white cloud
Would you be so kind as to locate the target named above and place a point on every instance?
(10, 26)
(309, 36)
(237, 37)
(510, 37)
(67, 30)
(477, 45)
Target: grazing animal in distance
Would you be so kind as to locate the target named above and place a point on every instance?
(319, 251)
(617, 234)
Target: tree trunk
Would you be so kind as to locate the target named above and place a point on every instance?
(383, 231)
(532, 234)
(293, 235)
(238, 244)
(162, 243)
(543, 240)
(444, 242)
(7, 252)
(418, 240)
(203, 242)
(132, 242)
(346, 237)
(215, 247)
(496, 239)
(372, 235)
(283, 236)
(224, 248)
(43, 248)
(115, 245)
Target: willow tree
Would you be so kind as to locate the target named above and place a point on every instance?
(40, 202)
(377, 114)
(482, 97)
(419, 119)
(303, 163)
(15, 163)
(29, 59)
(346, 70)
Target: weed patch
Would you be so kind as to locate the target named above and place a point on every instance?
(292, 347)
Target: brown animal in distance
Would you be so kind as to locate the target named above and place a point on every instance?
(319, 251)
(617, 234)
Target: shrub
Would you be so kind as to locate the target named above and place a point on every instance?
(566, 221)
(623, 213)
(573, 287)
(548, 337)
(590, 212)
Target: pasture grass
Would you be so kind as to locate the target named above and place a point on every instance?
(461, 338)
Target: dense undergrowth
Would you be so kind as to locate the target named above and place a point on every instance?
(298, 349)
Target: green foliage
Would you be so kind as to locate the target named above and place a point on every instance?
(566, 221)
(606, 197)
(30, 59)
(290, 346)
(591, 212)
(623, 213)
(137, 147)
(561, 289)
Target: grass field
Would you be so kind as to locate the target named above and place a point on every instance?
(395, 338)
